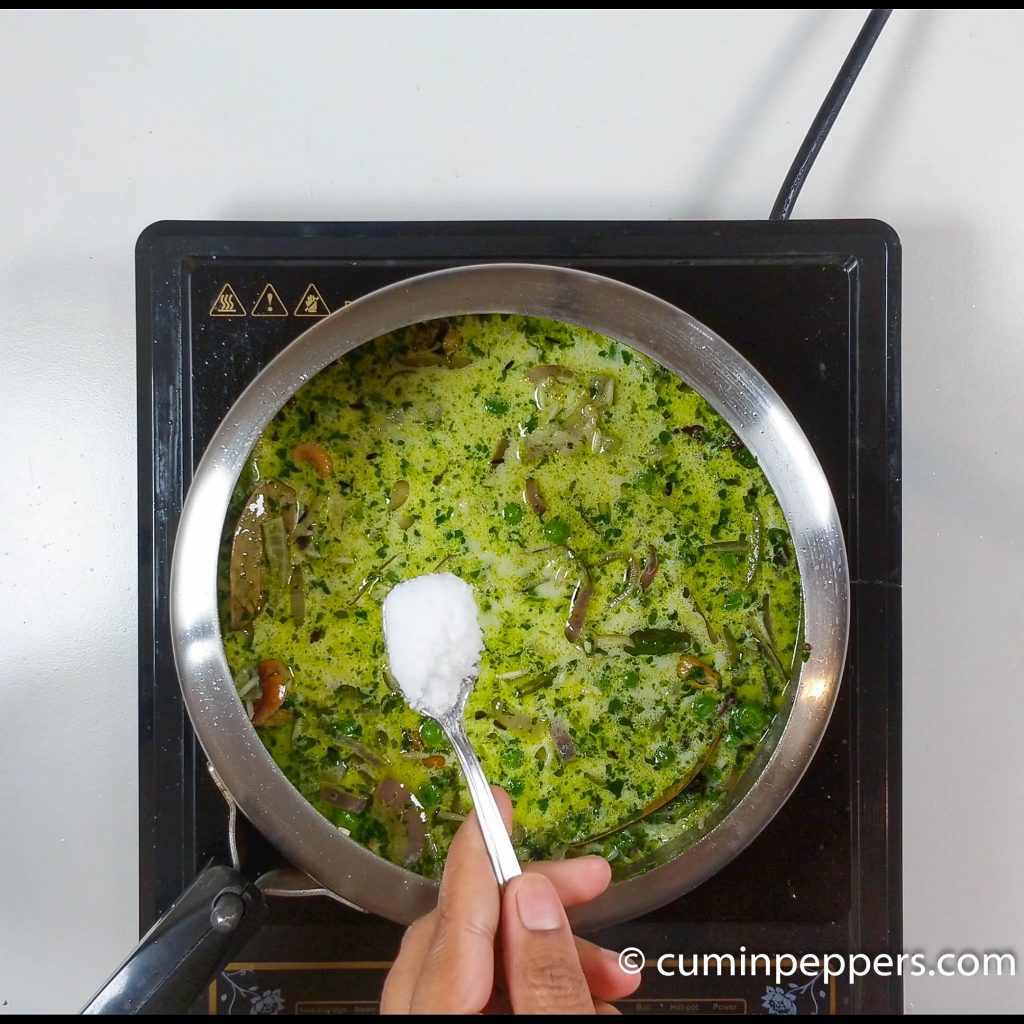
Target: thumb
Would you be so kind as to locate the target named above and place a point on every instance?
(542, 968)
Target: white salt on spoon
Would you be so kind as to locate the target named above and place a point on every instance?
(433, 641)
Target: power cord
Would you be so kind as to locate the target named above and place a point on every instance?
(828, 112)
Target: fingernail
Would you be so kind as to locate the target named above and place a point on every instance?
(538, 904)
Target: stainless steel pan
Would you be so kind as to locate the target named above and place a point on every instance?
(661, 331)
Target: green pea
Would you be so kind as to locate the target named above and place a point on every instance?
(704, 706)
(750, 719)
(732, 737)
(345, 819)
(663, 755)
(428, 795)
(495, 406)
(512, 513)
(511, 756)
(556, 531)
(431, 733)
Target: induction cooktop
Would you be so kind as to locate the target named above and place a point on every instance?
(815, 305)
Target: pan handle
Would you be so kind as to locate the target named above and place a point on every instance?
(178, 957)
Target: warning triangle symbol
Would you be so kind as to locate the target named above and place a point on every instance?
(312, 303)
(227, 303)
(269, 303)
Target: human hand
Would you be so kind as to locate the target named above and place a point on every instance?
(482, 950)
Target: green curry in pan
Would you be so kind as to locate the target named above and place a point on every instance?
(638, 589)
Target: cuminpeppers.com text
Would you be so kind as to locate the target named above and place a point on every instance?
(851, 966)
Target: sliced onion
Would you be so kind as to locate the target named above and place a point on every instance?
(396, 800)
(422, 359)
(298, 597)
(732, 649)
(360, 750)
(533, 497)
(248, 683)
(766, 618)
(650, 568)
(602, 390)
(538, 682)
(498, 457)
(538, 373)
(275, 542)
(710, 626)
(547, 442)
(415, 827)
(613, 556)
(564, 746)
(762, 641)
(281, 499)
(391, 792)
(754, 559)
(509, 720)
(337, 797)
(629, 584)
(579, 605)
(581, 421)
(709, 678)
(306, 526)
(724, 546)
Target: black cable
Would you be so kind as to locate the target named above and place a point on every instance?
(828, 112)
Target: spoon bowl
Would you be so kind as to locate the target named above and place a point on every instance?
(436, 699)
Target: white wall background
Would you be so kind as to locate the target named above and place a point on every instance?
(111, 121)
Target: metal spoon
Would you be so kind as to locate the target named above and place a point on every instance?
(452, 721)
(499, 846)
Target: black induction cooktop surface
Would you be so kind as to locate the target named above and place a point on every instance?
(815, 306)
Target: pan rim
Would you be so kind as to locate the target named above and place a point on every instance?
(636, 318)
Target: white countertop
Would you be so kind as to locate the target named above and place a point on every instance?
(111, 121)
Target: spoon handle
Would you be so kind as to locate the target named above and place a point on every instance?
(499, 846)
